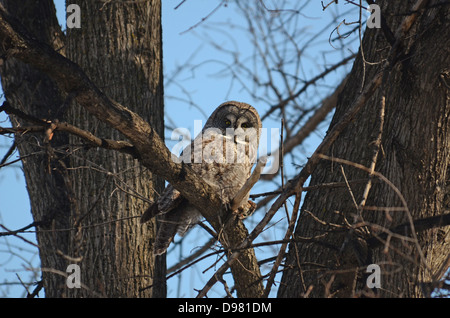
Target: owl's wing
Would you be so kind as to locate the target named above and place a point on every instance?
(168, 201)
(171, 197)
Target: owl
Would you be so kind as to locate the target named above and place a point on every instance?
(223, 155)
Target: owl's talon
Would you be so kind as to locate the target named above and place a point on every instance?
(227, 207)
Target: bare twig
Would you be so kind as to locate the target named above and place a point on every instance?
(222, 3)
(405, 229)
(16, 234)
(348, 187)
(179, 5)
(278, 10)
(198, 252)
(254, 177)
(377, 145)
(9, 152)
(281, 253)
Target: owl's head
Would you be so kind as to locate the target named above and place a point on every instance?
(239, 119)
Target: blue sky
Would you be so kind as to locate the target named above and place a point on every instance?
(184, 43)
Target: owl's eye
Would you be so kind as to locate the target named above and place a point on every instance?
(245, 125)
(227, 123)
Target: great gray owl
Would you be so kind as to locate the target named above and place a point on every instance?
(223, 155)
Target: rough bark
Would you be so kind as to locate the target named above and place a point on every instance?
(119, 47)
(413, 154)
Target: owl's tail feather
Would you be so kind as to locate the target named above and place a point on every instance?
(167, 229)
(151, 212)
(161, 247)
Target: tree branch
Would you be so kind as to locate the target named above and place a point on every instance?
(405, 229)
(42, 125)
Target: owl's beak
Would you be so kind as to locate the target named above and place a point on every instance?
(236, 139)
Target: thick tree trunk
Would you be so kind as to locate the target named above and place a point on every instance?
(119, 46)
(414, 156)
(93, 192)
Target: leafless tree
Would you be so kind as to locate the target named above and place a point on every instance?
(378, 190)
